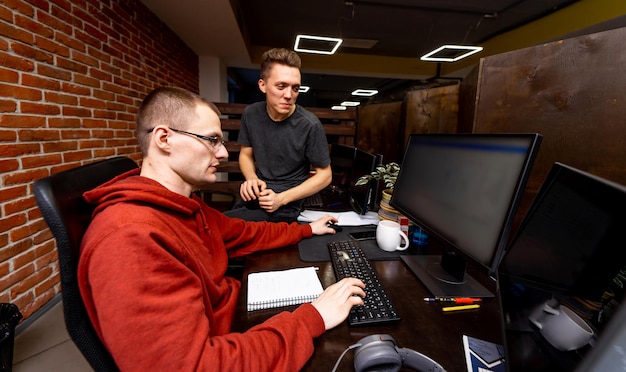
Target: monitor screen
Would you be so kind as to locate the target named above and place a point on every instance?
(463, 188)
(363, 197)
(341, 162)
(569, 250)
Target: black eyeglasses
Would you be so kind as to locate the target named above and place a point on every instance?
(215, 141)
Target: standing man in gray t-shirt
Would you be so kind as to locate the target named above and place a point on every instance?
(280, 143)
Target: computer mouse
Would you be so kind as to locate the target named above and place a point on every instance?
(337, 228)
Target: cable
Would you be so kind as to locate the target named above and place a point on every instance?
(342, 355)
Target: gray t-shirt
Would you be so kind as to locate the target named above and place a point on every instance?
(284, 151)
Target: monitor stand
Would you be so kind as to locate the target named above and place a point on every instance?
(428, 269)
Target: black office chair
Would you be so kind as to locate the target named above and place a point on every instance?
(60, 200)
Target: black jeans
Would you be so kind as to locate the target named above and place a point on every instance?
(250, 211)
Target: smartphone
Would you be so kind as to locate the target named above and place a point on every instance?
(363, 235)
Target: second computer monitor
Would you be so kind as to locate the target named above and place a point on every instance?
(363, 198)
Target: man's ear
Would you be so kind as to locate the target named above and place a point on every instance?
(262, 86)
(160, 138)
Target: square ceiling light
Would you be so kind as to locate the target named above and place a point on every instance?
(365, 92)
(316, 44)
(339, 108)
(450, 53)
(350, 103)
(303, 89)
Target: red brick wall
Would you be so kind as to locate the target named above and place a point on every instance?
(72, 73)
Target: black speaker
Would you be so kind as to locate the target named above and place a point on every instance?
(380, 353)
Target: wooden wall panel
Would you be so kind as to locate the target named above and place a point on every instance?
(433, 110)
(572, 91)
(380, 130)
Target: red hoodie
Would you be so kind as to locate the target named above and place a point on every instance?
(151, 273)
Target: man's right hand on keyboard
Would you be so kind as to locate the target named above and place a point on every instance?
(335, 302)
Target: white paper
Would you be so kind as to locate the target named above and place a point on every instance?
(344, 218)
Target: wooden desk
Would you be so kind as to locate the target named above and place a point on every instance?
(424, 327)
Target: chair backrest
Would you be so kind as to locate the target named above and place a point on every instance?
(60, 200)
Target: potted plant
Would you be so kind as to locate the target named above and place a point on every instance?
(387, 173)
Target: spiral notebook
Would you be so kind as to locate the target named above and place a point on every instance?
(271, 289)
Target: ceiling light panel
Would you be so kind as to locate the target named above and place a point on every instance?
(316, 44)
(365, 92)
(450, 53)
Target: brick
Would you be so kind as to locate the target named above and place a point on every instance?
(64, 122)
(10, 193)
(46, 288)
(103, 114)
(77, 155)
(66, 16)
(30, 281)
(60, 98)
(85, 59)
(40, 82)
(52, 46)
(39, 108)
(24, 176)
(7, 106)
(44, 238)
(114, 106)
(104, 58)
(105, 153)
(64, 4)
(88, 39)
(71, 65)
(27, 135)
(16, 207)
(25, 304)
(62, 28)
(75, 89)
(76, 111)
(18, 149)
(33, 26)
(91, 144)
(102, 133)
(19, 92)
(6, 14)
(24, 259)
(54, 72)
(22, 121)
(59, 146)
(8, 76)
(87, 80)
(69, 42)
(32, 53)
(91, 102)
(100, 75)
(94, 123)
(12, 32)
(45, 259)
(41, 4)
(76, 134)
(40, 160)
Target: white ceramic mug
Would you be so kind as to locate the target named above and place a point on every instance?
(389, 236)
(562, 327)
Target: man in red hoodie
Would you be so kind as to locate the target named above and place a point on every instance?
(153, 261)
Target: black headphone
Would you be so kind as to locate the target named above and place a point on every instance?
(380, 353)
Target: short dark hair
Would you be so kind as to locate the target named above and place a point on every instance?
(281, 56)
(171, 106)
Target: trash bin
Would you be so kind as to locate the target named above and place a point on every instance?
(9, 317)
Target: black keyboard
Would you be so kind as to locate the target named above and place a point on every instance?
(314, 200)
(348, 260)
